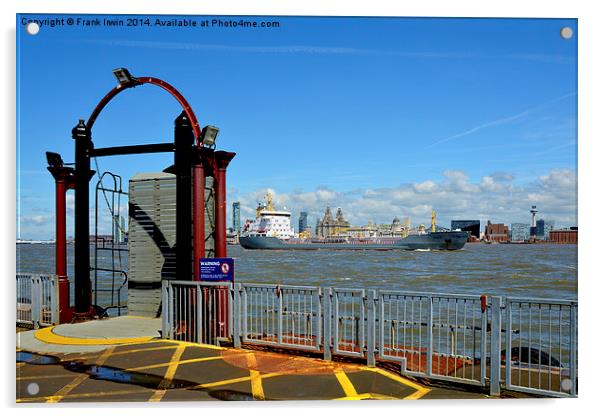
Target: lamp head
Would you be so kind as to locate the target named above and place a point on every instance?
(54, 159)
(209, 135)
(123, 76)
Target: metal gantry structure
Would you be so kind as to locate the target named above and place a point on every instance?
(194, 160)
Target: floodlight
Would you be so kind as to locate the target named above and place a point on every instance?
(123, 76)
(54, 159)
(208, 135)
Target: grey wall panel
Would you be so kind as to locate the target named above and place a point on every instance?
(152, 236)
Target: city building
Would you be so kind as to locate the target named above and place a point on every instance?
(565, 236)
(543, 229)
(496, 232)
(471, 226)
(236, 218)
(303, 221)
(520, 232)
(328, 225)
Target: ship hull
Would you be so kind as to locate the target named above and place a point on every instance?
(452, 240)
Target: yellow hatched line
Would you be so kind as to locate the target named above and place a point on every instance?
(78, 380)
(256, 385)
(420, 390)
(168, 347)
(45, 377)
(79, 395)
(193, 344)
(345, 383)
(192, 360)
(169, 374)
(232, 381)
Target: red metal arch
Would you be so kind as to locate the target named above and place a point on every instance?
(148, 80)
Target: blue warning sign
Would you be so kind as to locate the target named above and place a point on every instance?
(217, 270)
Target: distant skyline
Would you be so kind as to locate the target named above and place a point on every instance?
(384, 117)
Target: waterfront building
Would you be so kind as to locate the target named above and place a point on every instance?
(565, 236)
(519, 232)
(236, 217)
(471, 226)
(496, 232)
(303, 221)
(328, 225)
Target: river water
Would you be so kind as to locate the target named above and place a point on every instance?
(530, 270)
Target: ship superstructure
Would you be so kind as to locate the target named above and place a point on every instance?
(271, 230)
(270, 222)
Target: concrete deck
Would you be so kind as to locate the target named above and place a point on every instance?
(123, 359)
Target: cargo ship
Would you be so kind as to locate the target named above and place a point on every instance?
(271, 230)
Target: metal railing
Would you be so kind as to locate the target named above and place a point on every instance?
(37, 300)
(196, 312)
(458, 338)
(540, 346)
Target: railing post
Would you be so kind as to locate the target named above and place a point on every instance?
(164, 310)
(429, 337)
(371, 332)
(573, 356)
(496, 345)
(170, 310)
(279, 316)
(54, 300)
(198, 315)
(508, 357)
(327, 308)
(483, 340)
(236, 315)
(35, 301)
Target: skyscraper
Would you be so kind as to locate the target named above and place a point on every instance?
(236, 217)
(302, 221)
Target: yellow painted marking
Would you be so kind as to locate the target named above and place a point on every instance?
(192, 360)
(46, 335)
(232, 380)
(79, 395)
(45, 377)
(345, 383)
(78, 380)
(420, 390)
(194, 344)
(364, 396)
(85, 357)
(169, 374)
(256, 385)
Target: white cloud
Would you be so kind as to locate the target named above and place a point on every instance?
(454, 196)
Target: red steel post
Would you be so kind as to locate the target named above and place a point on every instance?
(61, 250)
(222, 159)
(63, 178)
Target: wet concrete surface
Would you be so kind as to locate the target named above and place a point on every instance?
(161, 370)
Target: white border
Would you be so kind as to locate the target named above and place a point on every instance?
(590, 73)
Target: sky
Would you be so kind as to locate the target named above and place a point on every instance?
(383, 117)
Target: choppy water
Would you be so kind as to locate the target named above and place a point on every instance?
(542, 271)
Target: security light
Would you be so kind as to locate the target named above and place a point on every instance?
(208, 135)
(123, 76)
(54, 159)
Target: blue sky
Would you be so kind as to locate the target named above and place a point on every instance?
(384, 117)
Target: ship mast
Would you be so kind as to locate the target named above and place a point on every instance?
(270, 202)
(433, 219)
